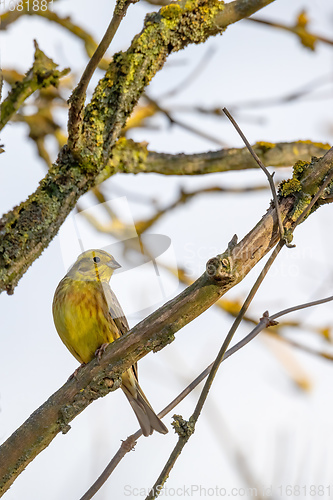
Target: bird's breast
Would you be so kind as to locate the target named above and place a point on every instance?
(82, 318)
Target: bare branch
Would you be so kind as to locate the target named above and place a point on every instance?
(113, 101)
(264, 169)
(184, 125)
(78, 97)
(185, 429)
(42, 74)
(282, 154)
(307, 38)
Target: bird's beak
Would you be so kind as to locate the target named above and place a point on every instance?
(113, 264)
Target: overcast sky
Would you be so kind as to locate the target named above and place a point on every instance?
(254, 406)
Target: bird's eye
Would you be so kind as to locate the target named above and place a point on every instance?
(96, 259)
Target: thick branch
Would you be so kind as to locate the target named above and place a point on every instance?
(27, 229)
(130, 157)
(98, 378)
(240, 9)
(43, 213)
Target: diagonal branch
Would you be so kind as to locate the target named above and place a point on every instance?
(28, 229)
(185, 429)
(265, 322)
(65, 182)
(99, 377)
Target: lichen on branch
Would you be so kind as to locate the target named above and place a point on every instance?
(169, 30)
(42, 74)
(27, 230)
(153, 333)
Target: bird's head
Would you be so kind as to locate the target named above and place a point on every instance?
(93, 265)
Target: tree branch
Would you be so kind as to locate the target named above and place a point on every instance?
(79, 94)
(27, 229)
(42, 74)
(281, 154)
(185, 429)
(306, 38)
(265, 322)
(45, 210)
(98, 378)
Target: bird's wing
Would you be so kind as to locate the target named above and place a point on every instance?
(118, 316)
(115, 310)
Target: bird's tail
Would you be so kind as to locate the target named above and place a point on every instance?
(146, 416)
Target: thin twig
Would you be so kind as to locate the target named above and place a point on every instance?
(214, 111)
(189, 426)
(234, 327)
(292, 96)
(264, 323)
(189, 79)
(185, 126)
(293, 29)
(301, 306)
(125, 447)
(268, 175)
(196, 131)
(303, 347)
(77, 98)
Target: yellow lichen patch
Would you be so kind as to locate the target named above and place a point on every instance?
(289, 187)
(265, 146)
(316, 144)
(172, 11)
(294, 185)
(190, 4)
(299, 168)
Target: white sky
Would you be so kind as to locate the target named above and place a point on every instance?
(253, 405)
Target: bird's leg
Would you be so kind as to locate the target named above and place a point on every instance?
(100, 351)
(74, 375)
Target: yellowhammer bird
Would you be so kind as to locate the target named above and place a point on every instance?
(87, 315)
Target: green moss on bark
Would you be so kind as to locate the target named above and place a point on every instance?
(169, 30)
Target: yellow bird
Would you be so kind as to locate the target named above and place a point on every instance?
(87, 315)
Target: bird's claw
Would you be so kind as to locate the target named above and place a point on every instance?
(74, 375)
(100, 351)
